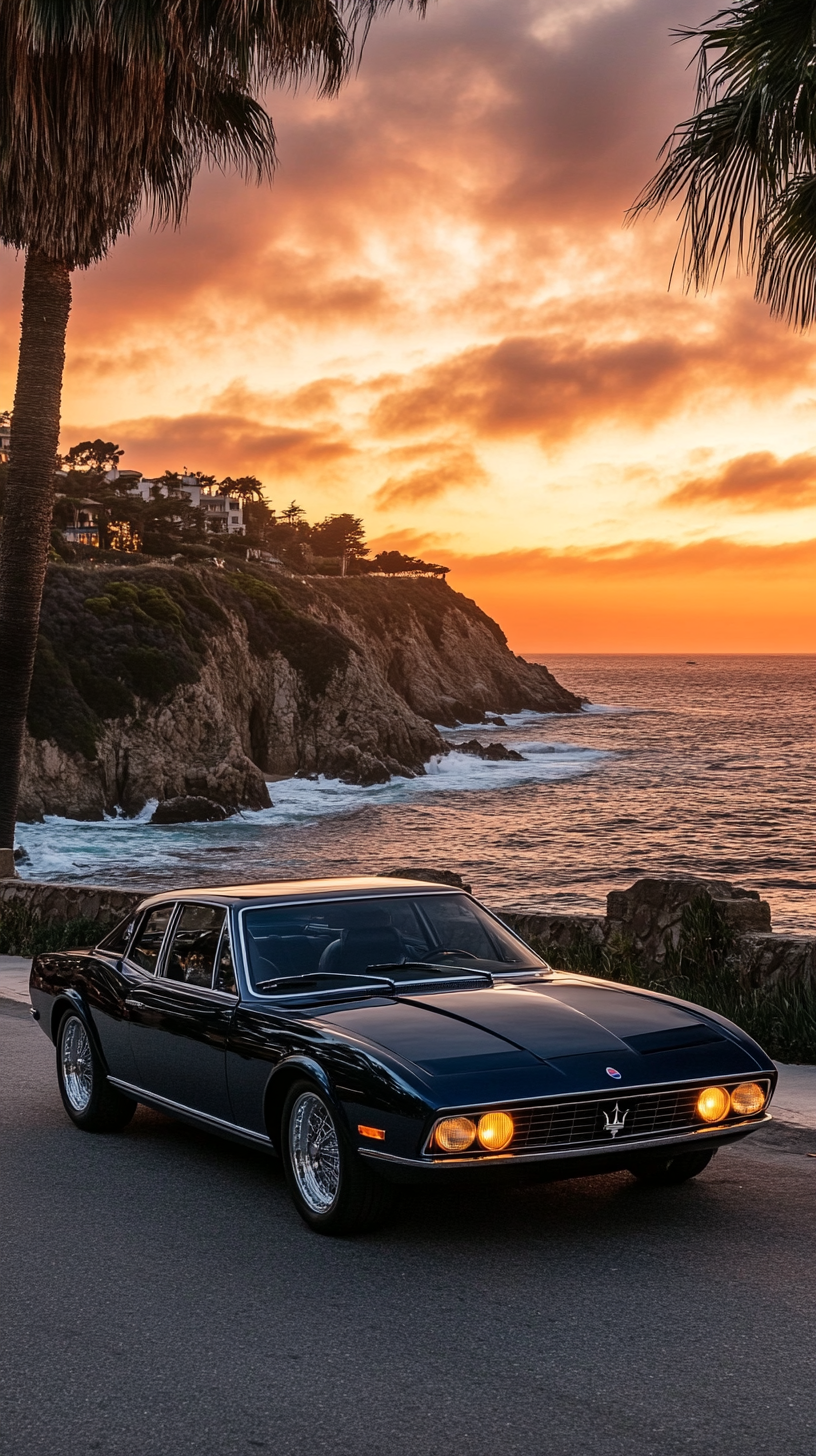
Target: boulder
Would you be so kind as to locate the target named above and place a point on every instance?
(432, 877)
(188, 809)
(495, 752)
(650, 912)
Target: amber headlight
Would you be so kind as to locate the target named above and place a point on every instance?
(713, 1104)
(495, 1130)
(455, 1134)
(749, 1097)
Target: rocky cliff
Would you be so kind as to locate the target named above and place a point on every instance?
(158, 681)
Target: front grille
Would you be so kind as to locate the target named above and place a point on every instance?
(578, 1124)
(590, 1122)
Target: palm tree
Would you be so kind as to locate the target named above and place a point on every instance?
(245, 488)
(744, 165)
(105, 108)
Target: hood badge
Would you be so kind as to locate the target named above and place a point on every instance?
(613, 1072)
(614, 1127)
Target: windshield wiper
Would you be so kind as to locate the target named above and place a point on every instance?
(312, 978)
(429, 966)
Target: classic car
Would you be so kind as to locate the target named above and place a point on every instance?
(375, 1031)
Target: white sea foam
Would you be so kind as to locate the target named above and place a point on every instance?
(510, 721)
(74, 849)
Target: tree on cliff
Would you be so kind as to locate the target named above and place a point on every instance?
(104, 108)
(94, 456)
(339, 535)
(744, 165)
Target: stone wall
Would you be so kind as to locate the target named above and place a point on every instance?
(648, 917)
(57, 903)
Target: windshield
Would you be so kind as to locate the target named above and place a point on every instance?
(350, 938)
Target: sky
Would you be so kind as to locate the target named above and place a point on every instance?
(436, 319)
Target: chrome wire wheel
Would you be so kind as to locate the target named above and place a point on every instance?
(315, 1152)
(77, 1064)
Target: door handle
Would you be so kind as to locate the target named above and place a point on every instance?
(136, 1005)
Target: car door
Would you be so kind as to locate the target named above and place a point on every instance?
(180, 1019)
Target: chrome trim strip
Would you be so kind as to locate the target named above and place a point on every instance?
(566, 1154)
(187, 987)
(206, 1118)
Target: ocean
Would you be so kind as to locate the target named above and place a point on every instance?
(701, 767)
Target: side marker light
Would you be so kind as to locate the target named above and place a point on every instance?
(378, 1133)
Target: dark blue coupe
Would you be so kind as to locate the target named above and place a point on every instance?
(374, 1031)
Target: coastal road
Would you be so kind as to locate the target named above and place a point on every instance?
(159, 1297)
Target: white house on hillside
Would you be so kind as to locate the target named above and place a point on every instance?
(222, 514)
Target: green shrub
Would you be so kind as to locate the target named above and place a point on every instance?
(100, 606)
(703, 968)
(265, 596)
(315, 651)
(108, 636)
(155, 673)
(24, 933)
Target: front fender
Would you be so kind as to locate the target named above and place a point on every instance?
(277, 1088)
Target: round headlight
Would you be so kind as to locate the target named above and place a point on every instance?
(749, 1097)
(456, 1134)
(495, 1130)
(713, 1104)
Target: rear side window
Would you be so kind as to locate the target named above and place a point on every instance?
(144, 951)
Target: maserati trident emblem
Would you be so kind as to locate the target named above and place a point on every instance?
(614, 1073)
(614, 1127)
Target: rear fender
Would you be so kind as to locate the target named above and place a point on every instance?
(71, 1000)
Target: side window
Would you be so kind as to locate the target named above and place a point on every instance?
(145, 949)
(116, 941)
(194, 947)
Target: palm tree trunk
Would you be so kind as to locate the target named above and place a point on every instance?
(26, 531)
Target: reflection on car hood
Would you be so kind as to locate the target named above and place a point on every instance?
(514, 1026)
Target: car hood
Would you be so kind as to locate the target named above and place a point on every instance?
(515, 1026)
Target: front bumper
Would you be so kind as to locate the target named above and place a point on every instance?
(563, 1162)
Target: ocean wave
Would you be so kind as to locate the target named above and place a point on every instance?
(73, 849)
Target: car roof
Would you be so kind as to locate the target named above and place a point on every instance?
(285, 891)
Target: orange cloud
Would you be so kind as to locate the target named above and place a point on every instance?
(554, 386)
(453, 469)
(222, 444)
(756, 482)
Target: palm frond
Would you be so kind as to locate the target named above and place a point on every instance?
(732, 163)
(108, 104)
(787, 264)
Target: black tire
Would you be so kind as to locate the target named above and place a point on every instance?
(675, 1168)
(87, 1096)
(331, 1187)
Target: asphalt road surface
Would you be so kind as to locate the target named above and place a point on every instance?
(160, 1297)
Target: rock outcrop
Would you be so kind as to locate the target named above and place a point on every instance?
(189, 809)
(160, 682)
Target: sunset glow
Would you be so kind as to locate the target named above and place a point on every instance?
(437, 320)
